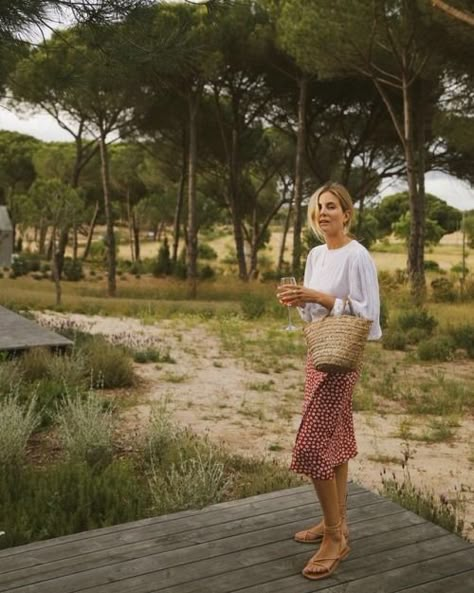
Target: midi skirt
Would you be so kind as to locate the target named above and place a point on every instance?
(325, 438)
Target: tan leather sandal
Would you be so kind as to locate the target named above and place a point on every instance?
(319, 562)
(315, 534)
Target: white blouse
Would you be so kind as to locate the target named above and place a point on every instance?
(345, 272)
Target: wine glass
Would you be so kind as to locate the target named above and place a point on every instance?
(289, 280)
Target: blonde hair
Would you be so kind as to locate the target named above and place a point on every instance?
(339, 192)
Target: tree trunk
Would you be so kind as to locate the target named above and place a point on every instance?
(179, 206)
(110, 237)
(415, 262)
(61, 248)
(75, 243)
(90, 234)
(286, 228)
(136, 236)
(235, 206)
(254, 245)
(460, 15)
(192, 245)
(55, 256)
(159, 230)
(130, 227)
(43, 231)
(298, 187)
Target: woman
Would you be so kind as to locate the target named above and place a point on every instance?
(325, 442)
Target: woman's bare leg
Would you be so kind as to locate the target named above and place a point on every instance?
(334, 541)
(315, 533)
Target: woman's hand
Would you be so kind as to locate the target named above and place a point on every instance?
(295, 296)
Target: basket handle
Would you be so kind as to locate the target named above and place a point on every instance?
(345, 301)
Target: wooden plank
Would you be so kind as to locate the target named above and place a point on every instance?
(459, 583)
(387, 571)
(18, 333)
(40, 552)
(244, 502)
(277, 525)
(156, 520)
(203, 561)
(286, 575)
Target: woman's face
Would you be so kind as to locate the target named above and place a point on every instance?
(330, 215)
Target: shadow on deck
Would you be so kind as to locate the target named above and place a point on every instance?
(246, 546)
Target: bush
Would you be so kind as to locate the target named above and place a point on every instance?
(439, 348)
(163, 266)
(431, 266)
(384, 314)
(207, 273)
(394, 340)
(443, 290)
(34, 364)
(437, 510)
(19, 266)
(110, 366)
(252, 306)
(460, 269)
(179, 269)
(152, 355)
(43, 503)
(17, 424)
(416, 334)
(85, 429)
(191, 483)
(463, 337)
(72, 269)
(98, 251)
(205, 251)
(419, 318)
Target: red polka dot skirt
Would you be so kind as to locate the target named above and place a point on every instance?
(325, 438)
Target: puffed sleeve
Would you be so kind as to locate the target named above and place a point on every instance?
(363, 293)
(309, 310)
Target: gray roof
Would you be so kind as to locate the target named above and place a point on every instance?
(18, 333)
(5, 223)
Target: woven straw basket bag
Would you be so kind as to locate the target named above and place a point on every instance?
(336, 343)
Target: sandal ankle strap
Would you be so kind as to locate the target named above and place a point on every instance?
(333, 528)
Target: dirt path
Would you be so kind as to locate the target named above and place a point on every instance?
(256, 413)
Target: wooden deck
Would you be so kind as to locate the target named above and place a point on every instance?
(18, 333)
(246, 546)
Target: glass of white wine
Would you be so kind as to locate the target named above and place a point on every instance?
(289, 280)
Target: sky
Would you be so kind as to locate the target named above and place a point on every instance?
(40, 125)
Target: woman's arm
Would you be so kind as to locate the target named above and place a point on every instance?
(298, 296)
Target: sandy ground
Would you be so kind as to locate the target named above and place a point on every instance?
(255, 413)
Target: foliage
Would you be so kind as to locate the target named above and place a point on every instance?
(190, 483)
(439, 510)
(443, 290)
(419, 318)
(431, 266)
(463, 336)
(18, 266)
(163, 266)
(86, 429)
(252, 306)
(68, 497)
(110, 366)
(207, 273)
(439, 347)
(433, 231)
(394, 340)
(393, 210)
(17, 423)
(72, 269)
(205, 251)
